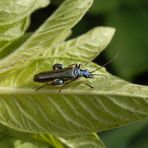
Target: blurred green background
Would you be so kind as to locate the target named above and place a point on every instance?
(130, 18)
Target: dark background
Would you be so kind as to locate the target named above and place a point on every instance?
(130, 18)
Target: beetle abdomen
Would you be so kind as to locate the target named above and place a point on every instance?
(55, 74)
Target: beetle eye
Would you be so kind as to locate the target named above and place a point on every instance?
(86, 73)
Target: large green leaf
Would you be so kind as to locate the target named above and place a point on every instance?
(38, 140)
(78, 109)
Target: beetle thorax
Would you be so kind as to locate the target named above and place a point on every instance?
(78, 72)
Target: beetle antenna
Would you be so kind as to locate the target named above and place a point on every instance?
(99, 75)
(107, 62)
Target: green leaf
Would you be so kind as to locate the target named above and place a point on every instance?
(135, 4)
(57, 2)
(86, 141)
(14, 18)
(87, 46)
(9, 32)
(78, 109)
(104, 6)
(8, 142)
(12, 46)
(22, 139)
(25, 139)
(72, 113)
(49, 139)
(124, 135)
(15, 30)
(48, 35)
(3, 44)
(13, 11)
(128, 65)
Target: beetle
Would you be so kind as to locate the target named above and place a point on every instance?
(60, 75)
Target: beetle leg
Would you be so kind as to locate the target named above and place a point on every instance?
(88, 84)
(70, 81)
(76, 65)
(79, 66)
(57, 82)
(80, 80)
(41, 86)
(71, 65)
(58, 66)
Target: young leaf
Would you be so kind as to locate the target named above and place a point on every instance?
(13, 11)
(12, 46)
(48, 35)
(87, 46)
(11, 32)
(14, 18)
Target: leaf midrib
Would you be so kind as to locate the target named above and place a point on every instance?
(28, 91)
